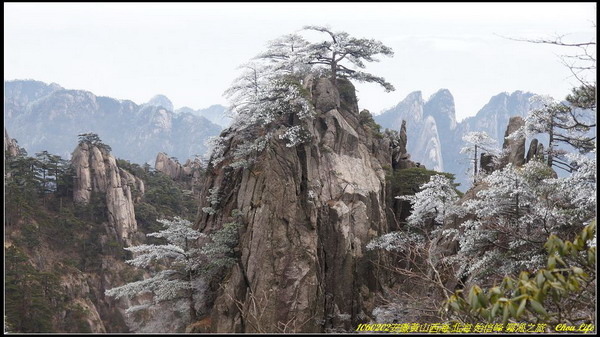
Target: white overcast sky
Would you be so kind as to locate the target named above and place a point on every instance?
(190, 51)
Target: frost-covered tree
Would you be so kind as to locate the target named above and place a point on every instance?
(340, 47)
(518, 209)
(287, 54)
(563, 123)
(434, 202)
(174, 265)
(414, 246)
(272, 89)
(478, 142)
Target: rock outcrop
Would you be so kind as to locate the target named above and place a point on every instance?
(486, 162)
(96, 172)
(307, 214)
(168, 166)
(536, 150)
(11, 148)
(171, 167)
(514, 149)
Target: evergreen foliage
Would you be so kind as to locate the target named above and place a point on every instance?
(31, 297)
(560, 293)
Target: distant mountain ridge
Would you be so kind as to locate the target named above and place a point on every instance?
(434, 135)
(48, 117)
(217, 114)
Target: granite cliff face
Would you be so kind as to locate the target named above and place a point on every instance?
(307, 213)
(171, 167)
(49, 117)
(11, 148)
(436, 136)
(96, 172)
(422, 130)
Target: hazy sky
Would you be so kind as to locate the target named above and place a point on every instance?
(190, 52)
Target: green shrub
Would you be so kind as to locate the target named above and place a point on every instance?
(562, 292)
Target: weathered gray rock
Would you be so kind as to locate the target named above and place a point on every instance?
(172, 168)
(514, 148)
(326, 96)
(82, 185)
(168, 166)
(486, 163)
(533, 146)
(307, 214)
(11, 147)
(403, 139)
(96, 171)
(536, 150)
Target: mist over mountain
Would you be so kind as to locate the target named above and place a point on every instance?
(48, 117)
(434, 135)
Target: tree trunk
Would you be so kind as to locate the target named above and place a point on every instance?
(550, 144)
(193, 316)
(333, 70)
(475, 166)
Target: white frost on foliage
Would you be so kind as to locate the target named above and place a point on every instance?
(177, 258)
(518, 210)
(480, 139)
(434, 202)
(293, 136)
(396, 241)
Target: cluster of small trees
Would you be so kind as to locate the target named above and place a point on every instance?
(516, 221)
(30, 180)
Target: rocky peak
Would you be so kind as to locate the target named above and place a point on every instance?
(19, 93)
(96, 172)
(172, 168)
(167, 165)
(326, 97)
(441, 107)
(307, 214)
(413, 105)
(161, 101)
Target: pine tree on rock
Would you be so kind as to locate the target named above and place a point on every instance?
(564, 124)
(478, 142)
(175, 265)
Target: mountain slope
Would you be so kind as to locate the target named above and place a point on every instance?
(435, 138)
(48, 117)
(217, 114)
